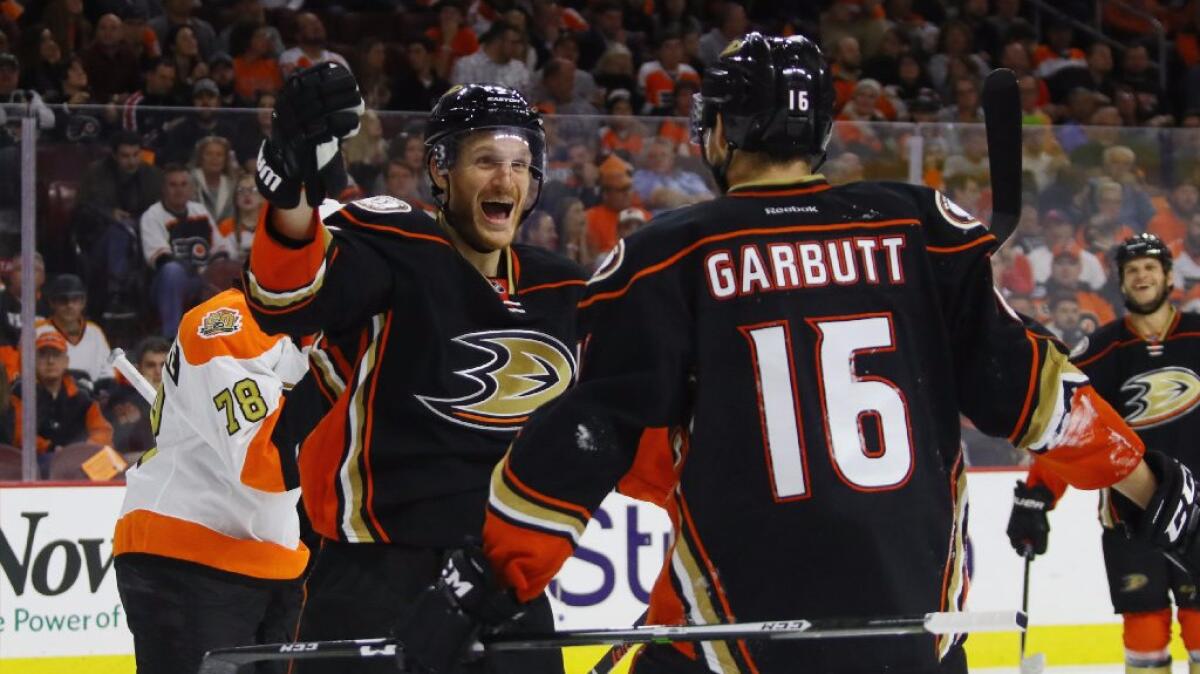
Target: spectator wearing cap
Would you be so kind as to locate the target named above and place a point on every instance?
(622, 133)
(66, 412)
(1065, 270)
(179, 141)
(656, 79)
(419, 86)
(178, 13)
(112, 68)
(616, 195)
(10, 76)
(494, 62)
(221, 72)
(662, 184)
(179, 238)
(731, 25)
(629, 221)
(310, 47)
(85, 341)
(1058, 235)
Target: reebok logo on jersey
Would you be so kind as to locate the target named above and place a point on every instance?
(521, 371)
(784, 210)
(1160, 396)
(218, 322)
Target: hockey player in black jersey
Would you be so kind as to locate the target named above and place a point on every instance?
(457, 336)
(1146, 366)
(783, 369)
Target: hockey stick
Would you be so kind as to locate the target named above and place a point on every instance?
(1002, 123)
(118, 361)
(1034, 664)
(612, 656)
(227, 660)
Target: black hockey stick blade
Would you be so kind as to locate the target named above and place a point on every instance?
(218, 661)
(1002, 121)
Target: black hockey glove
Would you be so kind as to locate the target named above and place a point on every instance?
(439, 626)
(1028, 528)
(1172, 518)
(317, 108)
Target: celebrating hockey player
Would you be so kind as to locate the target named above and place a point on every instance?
(1145, 366)
(464, 334)
(783, 369)
(208, 551)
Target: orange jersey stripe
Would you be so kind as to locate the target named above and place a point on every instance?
(262, 468)
(1030, 392)
(733, 235)
(148, 532)
(550, 500)
(526, 559)
(392, 230)
(557, 284)
(280, 267)
(954, 249)
(1100, 449)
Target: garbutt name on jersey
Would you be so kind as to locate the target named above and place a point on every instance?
(805, 264)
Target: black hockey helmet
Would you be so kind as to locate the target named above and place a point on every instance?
(468, 108)
(775, 95)
(1142, 245)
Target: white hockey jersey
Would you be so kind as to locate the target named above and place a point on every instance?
(212, 492)
(87, 354)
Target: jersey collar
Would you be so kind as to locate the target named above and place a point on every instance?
(1171, 325)
(806, 185)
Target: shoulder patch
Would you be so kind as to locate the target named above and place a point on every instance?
(218, 322)
(1080, 348)
(954, 214)
(383, 204)
(610, 265)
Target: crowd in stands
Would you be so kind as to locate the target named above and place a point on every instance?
(149, 114)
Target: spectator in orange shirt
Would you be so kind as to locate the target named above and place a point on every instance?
(453, 38)
(1057, 52)
(677, 128)
(66, 414)
(1094, 310)
(623, 134)
(656, 79)
(1171, 220)
(256, 70)
(845, 69)
(616, 195)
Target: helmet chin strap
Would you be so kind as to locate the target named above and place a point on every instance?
(719, 172)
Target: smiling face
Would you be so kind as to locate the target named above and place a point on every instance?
(488, 186)
(1144, 283)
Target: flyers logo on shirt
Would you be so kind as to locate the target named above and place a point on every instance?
(223, 321)
(521, 370)
(1161, 395)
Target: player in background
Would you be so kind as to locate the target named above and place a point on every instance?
(1145, 365)
(784, 369)
(462, 334)
(207, 547)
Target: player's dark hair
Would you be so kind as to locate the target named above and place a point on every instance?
(173, 167)
(151, 344)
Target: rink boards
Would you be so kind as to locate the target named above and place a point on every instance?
(59, 609)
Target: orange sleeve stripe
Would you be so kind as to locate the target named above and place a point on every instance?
(1027, 407)
(526, 559)
(558, 284)
(954, 249)
(735, 234)
(534, 495)
(279, 267)
(345, 213)
(1104, 352)
(262, 468)
(149, 532)
(1040, 476)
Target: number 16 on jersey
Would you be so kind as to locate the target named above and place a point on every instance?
(847, 399)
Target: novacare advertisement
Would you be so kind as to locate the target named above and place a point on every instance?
(59, 600)
(58, 595)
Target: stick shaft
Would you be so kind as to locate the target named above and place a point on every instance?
(144, 388)
(1025, 595)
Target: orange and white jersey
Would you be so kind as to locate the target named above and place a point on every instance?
(213, 491)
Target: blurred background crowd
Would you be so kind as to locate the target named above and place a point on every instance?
(149, 114)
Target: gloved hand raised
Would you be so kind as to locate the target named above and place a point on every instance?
(438, 627)
(317, 108)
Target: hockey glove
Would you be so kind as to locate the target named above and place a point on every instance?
(317, 108)
(436, 630)
(1172, 518)
(1028, 528)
